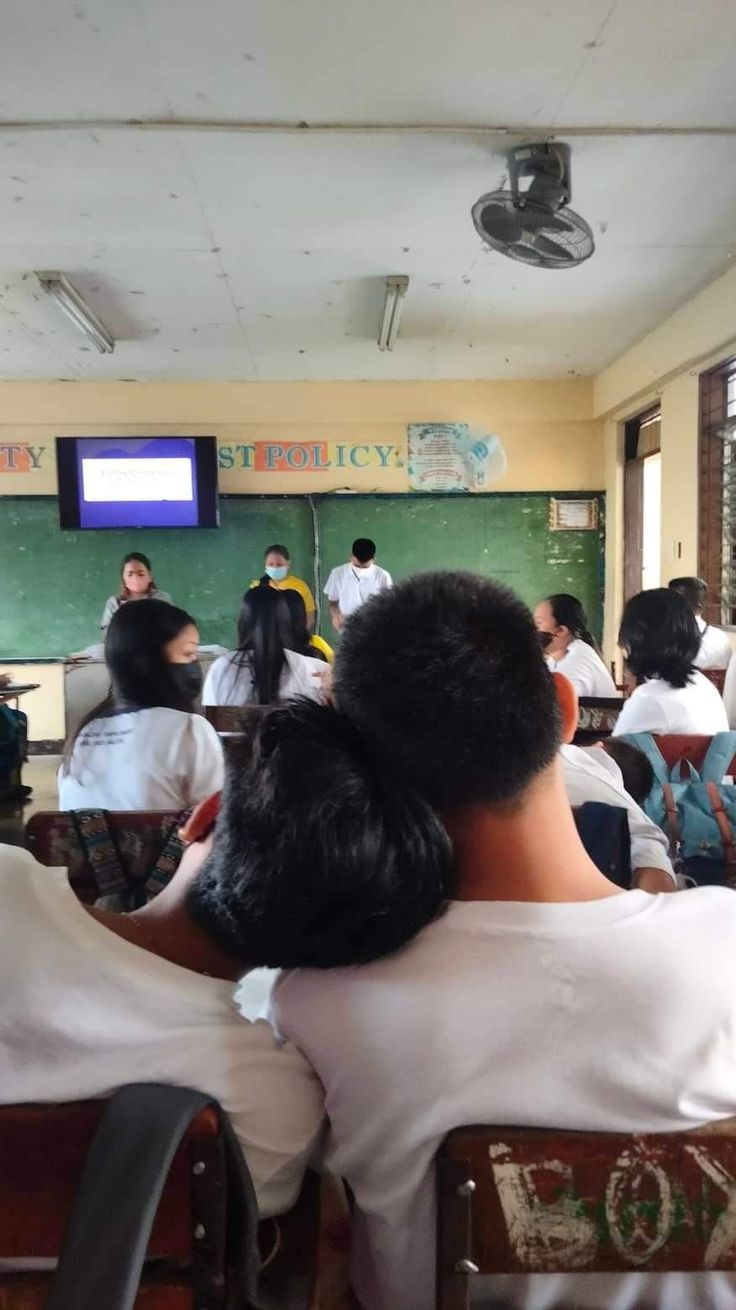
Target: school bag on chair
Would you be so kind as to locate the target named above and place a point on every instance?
(697, 811)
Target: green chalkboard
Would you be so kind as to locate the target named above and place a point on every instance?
(54, 584)
(507, 537)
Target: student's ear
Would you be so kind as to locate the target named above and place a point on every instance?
(568, 702)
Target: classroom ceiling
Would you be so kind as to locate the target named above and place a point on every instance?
(212, 251)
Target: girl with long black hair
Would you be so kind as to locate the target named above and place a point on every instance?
(273, 659)
(144, 747)
(570, 647)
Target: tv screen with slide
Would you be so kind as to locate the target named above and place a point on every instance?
(137, 482)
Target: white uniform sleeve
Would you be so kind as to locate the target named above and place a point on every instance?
(729, 693)
(586, 780)
(331, 588)
(210, 689)
(387, 580)
(640, 714)
(111, 605)
(206, 771)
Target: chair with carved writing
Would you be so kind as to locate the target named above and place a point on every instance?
(542, 1201)
(597, 717)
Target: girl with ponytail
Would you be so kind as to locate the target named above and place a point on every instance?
(570, 647)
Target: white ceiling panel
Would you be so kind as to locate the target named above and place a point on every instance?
(213, 252)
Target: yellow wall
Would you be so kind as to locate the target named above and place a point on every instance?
(552, 441)
(665, 367)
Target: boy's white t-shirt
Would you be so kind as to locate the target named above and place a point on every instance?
(585, 669)
(715, 647)
(83, 1012)
(655, 706)
(614, 1015)
(228, 683)
(349, 588)
(158, 759)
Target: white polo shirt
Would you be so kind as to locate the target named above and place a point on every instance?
(158, 759)
(83, 1011)
(655, 706)
(350, 588)
(585, 669)
(715, 647)
(231, 683)
(591, 775)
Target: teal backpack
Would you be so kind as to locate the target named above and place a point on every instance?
(697, 811)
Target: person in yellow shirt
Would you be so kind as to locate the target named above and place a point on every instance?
(277, 562)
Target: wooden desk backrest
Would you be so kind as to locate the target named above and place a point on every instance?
(531, 1201)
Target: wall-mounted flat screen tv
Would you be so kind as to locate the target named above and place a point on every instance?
(137, 482)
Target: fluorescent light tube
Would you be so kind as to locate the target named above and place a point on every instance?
(70, 301)
(396, 288)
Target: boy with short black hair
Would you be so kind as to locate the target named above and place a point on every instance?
(350, 585)
(544, 995)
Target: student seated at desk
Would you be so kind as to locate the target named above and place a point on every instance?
(143, 747)
(273, 660)
(543, 995)
(136, 583)
(660, 640)
(590, 774)
(570, 647)
(715, 646)
(149, 997)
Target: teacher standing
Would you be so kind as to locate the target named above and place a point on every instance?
(136, 583)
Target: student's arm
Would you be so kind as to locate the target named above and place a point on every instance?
(206, 771)
(336, 615)
(333, 595)
(585, 780)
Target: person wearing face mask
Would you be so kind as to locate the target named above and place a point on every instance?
(136, 583)
(277, 567)
(144, 747)
(350, 585)
(569, 646)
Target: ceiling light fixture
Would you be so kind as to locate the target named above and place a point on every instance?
(396, 288)
(70, 301)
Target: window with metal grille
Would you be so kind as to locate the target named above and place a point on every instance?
(717, 491)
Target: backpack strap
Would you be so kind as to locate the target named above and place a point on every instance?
(673, 820)
(721, 818)
(101, 851)
(644, 742)
(127, 1165)
(720, 753)
(167, 860)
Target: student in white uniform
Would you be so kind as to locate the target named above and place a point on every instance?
(273, 660)
(660, 640)
(715, 647)
(148, 997)
(136, 583)
(592, 775)
(543, 995)
(350, 585)
(569, 646)
(144, 748)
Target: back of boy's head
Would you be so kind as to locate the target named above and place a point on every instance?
(444, 676)
(322, 856)
(636, 769)
(695, 591)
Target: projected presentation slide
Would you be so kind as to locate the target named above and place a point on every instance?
(146, 482)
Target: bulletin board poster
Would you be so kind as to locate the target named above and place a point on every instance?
(453, 457)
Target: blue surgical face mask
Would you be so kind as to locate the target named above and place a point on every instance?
(277, 572)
